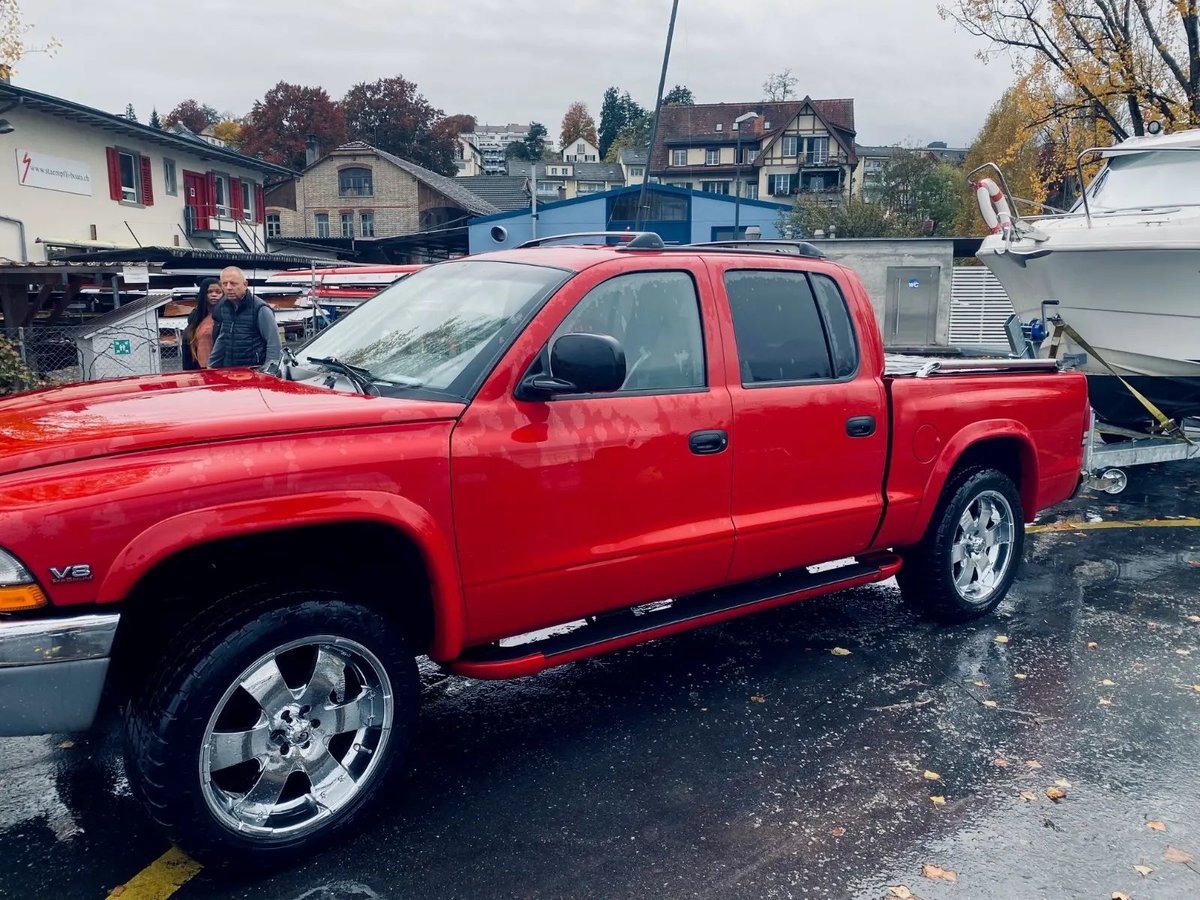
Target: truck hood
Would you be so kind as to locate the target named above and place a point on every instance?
(95, 419)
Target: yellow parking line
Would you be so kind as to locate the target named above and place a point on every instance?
(1103, 526)
(160, 879)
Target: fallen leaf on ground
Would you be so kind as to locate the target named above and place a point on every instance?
(1055, 794)
(1155, 825)
(1020, 676)
(1196, 688)
(66, 745)
(932, 776)
(1092, 645)
(1143, 870)
(935, 872)
(1183, 652)
(838, 832)
(1002, 639)
(900, 892)
(1033, 764)
(1117, 895)
(1112, 509)
(1104, 701)
(1174, 854)
(1194, 563)
(1028, 795)
(938, 801)
(990, 704)
(117, 891)
(1063, 783)
(840, 651)
(1108, 682)
(1194, 618)
(979, 683)
(1001, 762)
(757, 699)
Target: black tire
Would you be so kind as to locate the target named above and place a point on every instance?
(196, 684)
(928, 578)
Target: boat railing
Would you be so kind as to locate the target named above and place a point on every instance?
(1012, 198)
(1117, 151)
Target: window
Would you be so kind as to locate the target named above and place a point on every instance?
(170, 177)
(679, 157)
(590, 187)
(656, 318)
(712, 156)
(580, 149)
(661, 207)
(749, 156)
(221, 194)
(347, 225)
(842, 343)
(321, 221)
(791, 145)
(355, 182)
(818, 150)
(782, 185)
(368, 224)
(247, 200)
(750, 190)
(777, 327)
(129, 176)
(637, 171)
(715, 187)
(720, 125)
(274, 229)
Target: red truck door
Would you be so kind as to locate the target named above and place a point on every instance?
(810, 418)
(580, 504)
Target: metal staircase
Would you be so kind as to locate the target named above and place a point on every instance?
(228, 242)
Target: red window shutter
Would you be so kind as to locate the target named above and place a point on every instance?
(259, 205)
(235, 199)
(147, 182)
(211, 201)
(114, 173)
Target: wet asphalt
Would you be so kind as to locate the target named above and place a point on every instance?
(749, 761)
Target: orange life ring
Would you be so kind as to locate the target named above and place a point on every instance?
(992, 206)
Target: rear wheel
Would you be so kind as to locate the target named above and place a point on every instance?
(265, 731)
(969, 556)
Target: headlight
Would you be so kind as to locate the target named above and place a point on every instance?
(18, 589)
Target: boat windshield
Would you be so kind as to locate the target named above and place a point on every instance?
(438, 329)
(1143, 180)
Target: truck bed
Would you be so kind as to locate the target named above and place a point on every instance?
(901, 365)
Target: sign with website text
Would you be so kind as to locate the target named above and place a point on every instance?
(53, 173)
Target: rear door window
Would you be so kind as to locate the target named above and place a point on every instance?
(778, 328)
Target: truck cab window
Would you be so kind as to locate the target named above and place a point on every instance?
(656, 318)
(779, 334)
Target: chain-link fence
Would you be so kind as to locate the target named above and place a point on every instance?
(65, 354)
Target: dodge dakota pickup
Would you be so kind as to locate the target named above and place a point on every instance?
(504, 462)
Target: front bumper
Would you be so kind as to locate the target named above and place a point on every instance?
(52, 673)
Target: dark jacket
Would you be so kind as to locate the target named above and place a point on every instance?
(246, 334)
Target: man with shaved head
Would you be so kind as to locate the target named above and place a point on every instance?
(245, 326)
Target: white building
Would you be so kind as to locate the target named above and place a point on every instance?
(580, 150)
(84, 179)
(493, 140)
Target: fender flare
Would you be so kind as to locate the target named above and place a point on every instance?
(971, 436)
(201, 526)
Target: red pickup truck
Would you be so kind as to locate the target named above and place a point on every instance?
(504, 462)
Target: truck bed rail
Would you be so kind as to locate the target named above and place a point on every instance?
(924, 367)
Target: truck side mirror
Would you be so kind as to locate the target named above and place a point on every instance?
(579, 364)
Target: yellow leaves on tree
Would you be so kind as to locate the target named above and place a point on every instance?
(13, 33)
(228, 130)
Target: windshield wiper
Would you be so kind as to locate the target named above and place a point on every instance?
(361, 378)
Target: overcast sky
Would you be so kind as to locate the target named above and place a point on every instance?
(913, 77)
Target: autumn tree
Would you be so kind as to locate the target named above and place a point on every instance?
(229, 131)
(453, 126)
(577, 123)
(1120, 62)
(191, 115)
(853, 218)
(394, 116)
(680, 95)
(280, 123)
(780, 86)
(14, 31)
(617, 111)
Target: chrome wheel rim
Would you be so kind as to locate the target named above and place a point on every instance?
(983, 547)
(296, 737)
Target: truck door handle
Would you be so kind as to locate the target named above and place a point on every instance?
(860, 426)
(707, 442)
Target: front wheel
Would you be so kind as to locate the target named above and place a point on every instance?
(264, 731)
(969, 556)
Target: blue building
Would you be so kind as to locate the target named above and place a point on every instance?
(677, 215)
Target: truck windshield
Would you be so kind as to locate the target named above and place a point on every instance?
(441, 329)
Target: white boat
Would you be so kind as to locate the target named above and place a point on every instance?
(1123, 269)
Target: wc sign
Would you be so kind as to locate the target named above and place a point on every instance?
(53, 173)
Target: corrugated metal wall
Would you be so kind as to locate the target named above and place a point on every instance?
(978, 308)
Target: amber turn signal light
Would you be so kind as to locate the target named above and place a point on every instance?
(21, 597)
